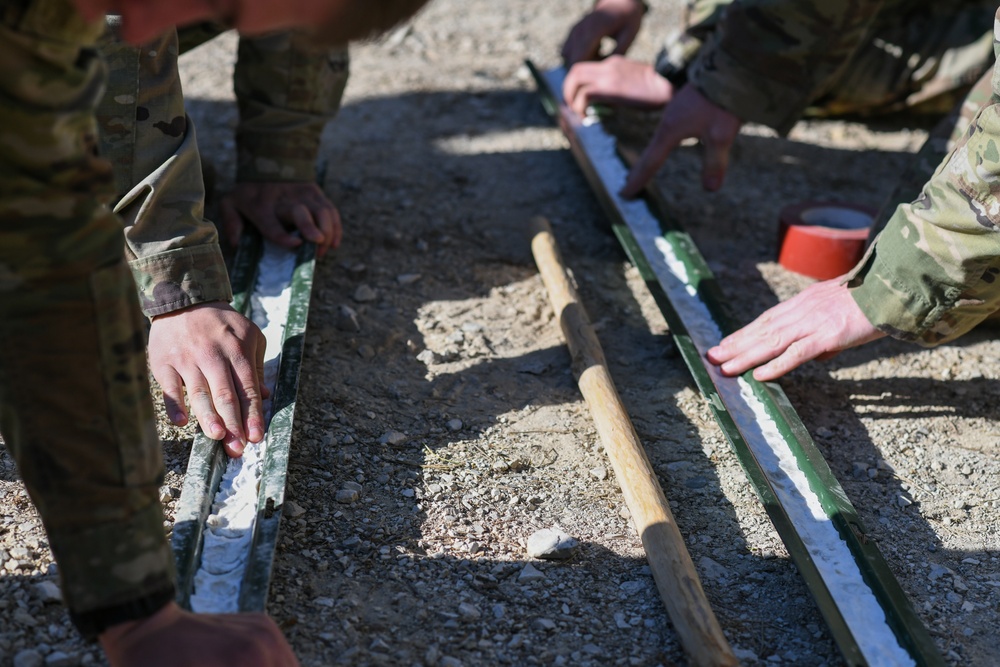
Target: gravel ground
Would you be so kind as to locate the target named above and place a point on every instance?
(439, 425)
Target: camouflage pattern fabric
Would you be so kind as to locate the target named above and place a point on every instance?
(934, 272)
(75, 407)
(770, 61)
(173, 251)
(287, 92)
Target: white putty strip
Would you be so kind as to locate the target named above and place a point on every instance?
(229, 528)
(830, 554)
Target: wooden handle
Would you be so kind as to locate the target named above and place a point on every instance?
(668, 557)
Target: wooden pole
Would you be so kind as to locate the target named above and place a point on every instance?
(673, 571)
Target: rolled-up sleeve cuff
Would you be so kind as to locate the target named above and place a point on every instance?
(904, 307)
(179, 278)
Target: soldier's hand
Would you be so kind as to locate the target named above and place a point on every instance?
(217, 355)
(278, 207)
(617, 19)
(615, 80)
(688, 115)
(175, 638)
(817, 323)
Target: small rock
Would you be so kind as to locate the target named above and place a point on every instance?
(469, 611)
(292, 509)
(472, 327)
(378, 645)
(60, 659)
(958, 503)
(713, 569)
(620, 622)
(427, 357)
(347, 496)
(448, 661)
(165, 495)
(408, 278)
(353, 485)
(937, 571)
(454, 424)
(551, 543)
(24, 618)
(20, 553)
(364, 294)
(394, 438)
(545, 624)
(824, 432)
(600, 472)
(48, 591)
(630, 588)
(357, 270)
(347, 319)
(530, 573)
(499, 610)
(366, 351)
(903, 501)
(28, 658)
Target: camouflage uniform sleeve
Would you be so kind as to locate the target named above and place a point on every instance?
(172, 250)
(934, 272)
(287, 91)
(767, 59)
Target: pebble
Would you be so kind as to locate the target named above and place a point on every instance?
(364, 294)
(448, 661)
(347, 496)
(24, 618)
(292, 509)
(28, 658)
(427, 357)
(60, 659)
(544, 624)
(165, 495)
(48, 591)
(631, 588)
(530, 573)
(366, 352)
(347, 319)
(469, 611)
(408, 278)
(713, 569)
(938, 571)
(393, 438)
(903, 501)
(824, 432)
(620, 622)
(600, 472)
(454, 425)
(551, 543)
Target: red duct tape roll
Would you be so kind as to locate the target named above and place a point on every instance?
(823, 240)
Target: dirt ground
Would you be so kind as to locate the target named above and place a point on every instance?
(451, 409)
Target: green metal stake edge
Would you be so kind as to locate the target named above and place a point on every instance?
(900, 614)
(271, 498)
(207, 462)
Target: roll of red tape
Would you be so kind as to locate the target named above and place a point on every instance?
(823, 240)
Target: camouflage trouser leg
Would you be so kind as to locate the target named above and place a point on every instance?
(939, 143)
(75, 408)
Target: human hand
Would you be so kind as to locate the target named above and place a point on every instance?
(618, 19)
(817, 323)
(689, 114)
(217, 355)
(616, 80)
(175, 638)
(275, 207)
